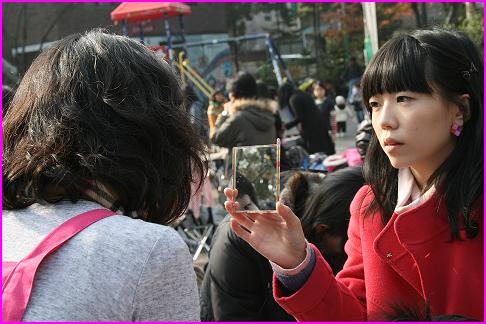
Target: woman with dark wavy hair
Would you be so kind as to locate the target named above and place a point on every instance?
(97, 128)
(416, 230)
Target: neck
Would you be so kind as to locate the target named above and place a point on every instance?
(420, 179)
(423, 170)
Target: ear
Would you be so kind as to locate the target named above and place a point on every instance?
(321, 230)
(463, 112)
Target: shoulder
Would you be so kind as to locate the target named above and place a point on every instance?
(362, 200)
(166, 274)
(139, 237)
(244, 104)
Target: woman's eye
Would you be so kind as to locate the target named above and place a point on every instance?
(374, 104)
(403, 99)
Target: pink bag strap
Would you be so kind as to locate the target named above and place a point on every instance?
(17, 287)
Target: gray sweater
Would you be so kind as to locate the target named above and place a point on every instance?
(118, 269)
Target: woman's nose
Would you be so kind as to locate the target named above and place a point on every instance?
(387, 116)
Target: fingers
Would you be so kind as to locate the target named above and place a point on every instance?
(231, 194)
(287, 214)
(239, 230)
(230, 206)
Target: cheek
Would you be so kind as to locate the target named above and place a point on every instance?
(375, 125)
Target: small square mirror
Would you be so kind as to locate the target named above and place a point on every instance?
(256, 176)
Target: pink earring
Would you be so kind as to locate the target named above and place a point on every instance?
(456, 129)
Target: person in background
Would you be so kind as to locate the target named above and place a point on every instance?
(98, 131)
(215, 108)
(363, 137)
(357, 102)
(247, 120)
(315, 135)
(351, 75)
(284, 93)
(324, 103)
(307, 85)
(342, 114)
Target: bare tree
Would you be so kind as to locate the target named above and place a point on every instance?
(54, 21)
(452, 10)
(420, 11)
(470, 9)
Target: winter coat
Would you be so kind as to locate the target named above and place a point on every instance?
(237, 285)
(315, 135)
(342, 115)
(250, 122)
(410, 259)
(325, 107)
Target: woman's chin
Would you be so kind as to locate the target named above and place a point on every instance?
(398, 164)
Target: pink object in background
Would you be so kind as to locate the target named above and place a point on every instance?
(353, 157)
(196, 197)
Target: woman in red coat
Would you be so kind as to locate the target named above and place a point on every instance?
(416, 230)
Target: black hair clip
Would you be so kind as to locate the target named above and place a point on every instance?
(467, 74)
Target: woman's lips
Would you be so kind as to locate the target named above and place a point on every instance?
(391, 145)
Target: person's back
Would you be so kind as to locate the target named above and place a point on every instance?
(248, 120)
(118, 269)
(256, 122)
(313, 130)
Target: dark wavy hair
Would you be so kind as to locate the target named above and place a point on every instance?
(432, 61)
(101, 107)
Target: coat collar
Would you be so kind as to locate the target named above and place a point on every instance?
(264, 104)
(409, 195)
(416, 220)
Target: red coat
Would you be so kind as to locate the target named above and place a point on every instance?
(408, 260)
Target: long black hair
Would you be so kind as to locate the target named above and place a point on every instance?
(330, 203)
(431, 61)
(101, 108)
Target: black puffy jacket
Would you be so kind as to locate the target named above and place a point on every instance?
(237, 285)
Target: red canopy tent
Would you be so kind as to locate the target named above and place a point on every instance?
(140, 11)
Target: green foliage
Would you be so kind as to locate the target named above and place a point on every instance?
(266, 74)
(474, 28)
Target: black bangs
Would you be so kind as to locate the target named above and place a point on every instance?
(399, 65)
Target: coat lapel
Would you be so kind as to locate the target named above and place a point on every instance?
(410, 228)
